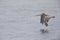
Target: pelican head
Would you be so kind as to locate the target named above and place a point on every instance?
(44, 14)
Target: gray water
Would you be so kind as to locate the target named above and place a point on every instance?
(18, 20)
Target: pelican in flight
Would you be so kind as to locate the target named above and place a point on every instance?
(45, 18)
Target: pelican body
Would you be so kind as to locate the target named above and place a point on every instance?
(45, 19)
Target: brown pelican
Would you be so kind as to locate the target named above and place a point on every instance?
(45, 18)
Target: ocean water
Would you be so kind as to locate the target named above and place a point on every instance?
(18, 20)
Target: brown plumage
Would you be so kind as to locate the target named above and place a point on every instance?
(45, 18)
(42, 18)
